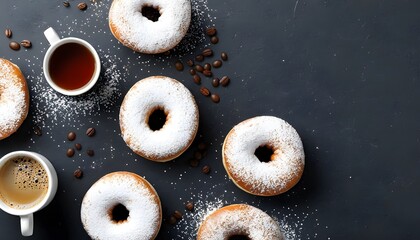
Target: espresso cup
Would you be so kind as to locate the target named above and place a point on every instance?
(28, 183)
(71, 65)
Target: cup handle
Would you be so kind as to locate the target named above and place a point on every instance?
(51, 35)
(27, 224)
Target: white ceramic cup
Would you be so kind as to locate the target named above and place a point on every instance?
(26, 215)
(55, 42)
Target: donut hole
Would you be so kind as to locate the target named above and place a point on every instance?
(239, 237)
(264, 153)
(119, 213)
(150, 12)
(157, 119)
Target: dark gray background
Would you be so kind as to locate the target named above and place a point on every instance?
(345, 74)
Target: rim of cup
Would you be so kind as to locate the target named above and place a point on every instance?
(41, 160)
(91, 82)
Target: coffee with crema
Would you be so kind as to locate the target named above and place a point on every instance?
(23, 183)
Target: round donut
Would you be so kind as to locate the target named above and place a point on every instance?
(129, 25)
(179, 130)
(14, 98)
(239, 220)
(121, 205)
(286, 163)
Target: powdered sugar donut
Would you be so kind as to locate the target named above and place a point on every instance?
(239, 220)
(121, 205)
(150, 26)
(14, 98)
(168, 99)
(285, 162)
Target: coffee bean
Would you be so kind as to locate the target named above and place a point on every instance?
(78, 146)
(90, 152)
(215, 98)
(211, 31)
(172, 220)
(90, 132)
(66, 4)
(206, 169)
(199, 68)
(179, 66)
(224, 81)
(8, 33)
(70, 152)
(202, 146)
(189, 206)
(194, 162)
(82, 6)
(215, 82)
(37, 130)
(78, 173)
(199, 58)
(217, 63)
(26, 43)
(197, 79)
(207, 66)
(177, 214)
(204, 91)
(214, 39)
(207, 73)
(207, 52)
(190, 62)
(71, 136)
(14, 45)
(224, 56)
(192, 72)
(198, 155)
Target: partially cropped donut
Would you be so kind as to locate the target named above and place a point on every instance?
(285, 164)
(14, 98)
(239, 220)
(180, 118)
(121, 205)
(150, 26)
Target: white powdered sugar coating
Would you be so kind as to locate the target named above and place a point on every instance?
(181, 123)
(239, 219)
(131, 191)
(263, 178)
(13, 105)
(144, 35)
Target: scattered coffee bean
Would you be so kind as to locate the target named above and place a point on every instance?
(179, 66)
(177, 214)
(217, 63)
(189, 206)
(90, 132)
(224, 81)
(66, 4)
(215, 82)
(204, 91)
(8, 33)
(224, 56)
(199, 58)
(90, 152)
(199, 68)
(78, 173)
(190, 62)
(202, 146)
(211, 31)
(194, 162)
(14, 45)
(207, 73)
(82, 6)
(26, 43)
(172, 220)
(198, 155)
(214, 39)
(78, 146)
(70, 152)
(207, 52)
(71, 136)
(197, 79)
(206, 169)
(207, 66)
(215, 98)
(37, 130)
(192, 72)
